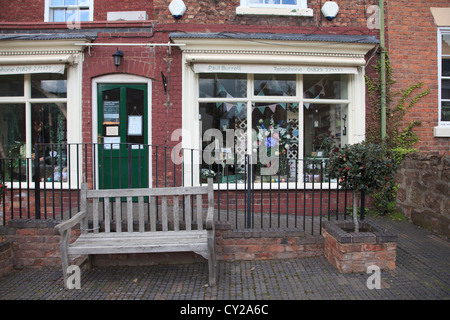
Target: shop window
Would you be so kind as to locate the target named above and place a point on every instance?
(275, 118)
(33, 123)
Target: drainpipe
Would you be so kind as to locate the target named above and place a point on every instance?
(382, 71)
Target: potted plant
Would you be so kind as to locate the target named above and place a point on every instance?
(363, 167)
(351, 246)
(207, 173)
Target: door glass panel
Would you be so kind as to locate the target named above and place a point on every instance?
(135, 116)
(111, 118)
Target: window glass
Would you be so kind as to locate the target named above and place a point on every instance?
(84, 15)
(50, 131)
(69, 10)
(446, 44)
(446, 67)
(322, 129)
(12, 131)
(223, 117)
(274, 85)
(275, 134)
(319, 86)
(272, 2)
(222, 85)
(275, 140)
(49, 122)
(59, 15)
(445, 78)
(445, 93)
(445, 111)
(48, 85)
(11, 86)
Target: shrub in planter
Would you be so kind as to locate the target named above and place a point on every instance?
(362, 167)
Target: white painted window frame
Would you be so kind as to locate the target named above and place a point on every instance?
(87, 4)
(300, 9)
(443, 128)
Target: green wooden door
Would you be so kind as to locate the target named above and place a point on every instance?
(122, 136)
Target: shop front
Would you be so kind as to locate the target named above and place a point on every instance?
(271, 100)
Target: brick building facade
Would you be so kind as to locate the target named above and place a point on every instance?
(231, 64)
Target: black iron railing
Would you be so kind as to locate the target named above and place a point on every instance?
(297, 193)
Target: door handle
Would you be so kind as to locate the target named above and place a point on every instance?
(99, 138)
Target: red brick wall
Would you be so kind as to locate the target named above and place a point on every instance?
(411, 36)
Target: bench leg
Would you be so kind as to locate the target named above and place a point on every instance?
(64, 254)
(212, 264)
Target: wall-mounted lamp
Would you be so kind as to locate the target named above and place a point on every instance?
(118, 55)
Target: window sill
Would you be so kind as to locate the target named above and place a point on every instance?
(441, 132)
(275, 11)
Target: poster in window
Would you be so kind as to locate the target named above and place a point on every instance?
(111, 112)
(135, 125)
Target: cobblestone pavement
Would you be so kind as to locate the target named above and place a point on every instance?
(423, 272)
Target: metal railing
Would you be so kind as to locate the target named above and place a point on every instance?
(299, 194)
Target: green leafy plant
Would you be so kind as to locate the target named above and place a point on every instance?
(364, 167)
(400, 136)
(3, 189)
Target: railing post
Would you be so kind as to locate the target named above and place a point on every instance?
(129, 166)
(37, 184)
(249, 191)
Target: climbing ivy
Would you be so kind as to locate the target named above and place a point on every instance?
(400, 137)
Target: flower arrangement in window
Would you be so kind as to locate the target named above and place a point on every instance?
(277, 137)
(207, 173)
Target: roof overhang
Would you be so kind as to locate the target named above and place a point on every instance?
(42, 48)
(305, 49)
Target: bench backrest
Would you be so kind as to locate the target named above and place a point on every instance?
(112, 199)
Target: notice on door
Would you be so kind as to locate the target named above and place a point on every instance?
(111, 112)
(135, 125)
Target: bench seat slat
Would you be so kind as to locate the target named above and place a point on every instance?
(169, 241)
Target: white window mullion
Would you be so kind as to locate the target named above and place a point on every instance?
(250, 91)
(28, 120)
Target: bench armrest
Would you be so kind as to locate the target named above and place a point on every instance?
(69, 224)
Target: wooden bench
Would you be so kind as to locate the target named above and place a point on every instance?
(111, 239)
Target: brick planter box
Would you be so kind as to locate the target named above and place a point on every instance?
(6, 258)
(354, 252)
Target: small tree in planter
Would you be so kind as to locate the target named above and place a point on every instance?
(362, 167)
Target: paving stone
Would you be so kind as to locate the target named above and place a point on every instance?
(422, 273)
